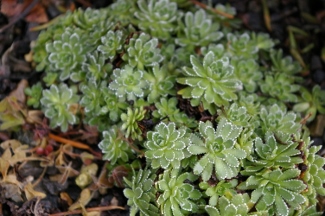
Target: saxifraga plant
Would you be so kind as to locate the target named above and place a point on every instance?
(166, 146)
(141, 193)
(60, 104)
(177, 197)
(184, 89)
(218, 149)
(114, 146)
(211, 83)
(275, 190)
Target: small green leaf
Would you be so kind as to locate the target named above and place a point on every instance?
(269, 198)
(196, 150)
(285, 194)
(231, 160)
(231, 210)
(281, 207)
(200, 165)
(289, 174)
(212, 211)
(170, 155)
(221, 169)
(256, 194)
(296, 185)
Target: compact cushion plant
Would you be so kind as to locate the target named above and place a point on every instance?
(208, 107)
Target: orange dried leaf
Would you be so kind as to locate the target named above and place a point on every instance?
(64, 196)
(13, 8)
(37, 14)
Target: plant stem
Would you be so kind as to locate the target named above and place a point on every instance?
(229, 16)
(74, 144)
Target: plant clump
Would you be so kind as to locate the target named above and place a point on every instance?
(191, 99)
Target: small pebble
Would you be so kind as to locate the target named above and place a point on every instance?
(316, 63)
(256, 21)
(317, 141)
(31, 168)
(319, 76)
(54, 188)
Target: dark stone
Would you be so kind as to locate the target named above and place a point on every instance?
(54, 188)
(317, 141)
(318, 76)
(316, 63)
(30, 168)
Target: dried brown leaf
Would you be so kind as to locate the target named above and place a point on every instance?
(13, 8)
(10, 113)
(90, 134)
(34, 116)
(30, 193)
(65, 196)
(86, 158)
(66, 172)
(117, 174)
(85, 197)
(13, 144)
(11, 191)
(19, 92)
(37, 14)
